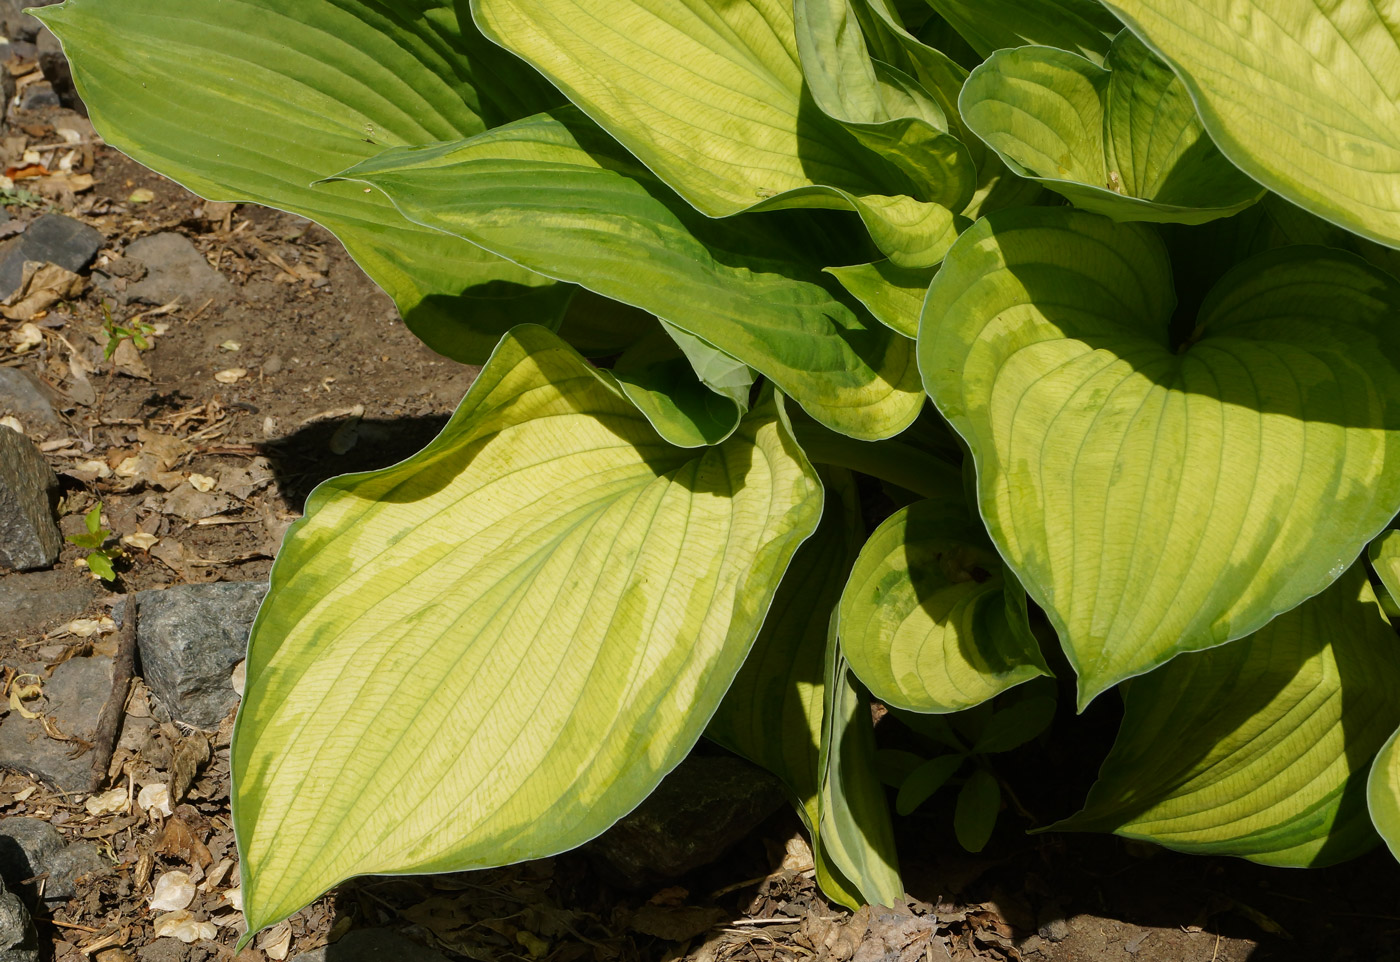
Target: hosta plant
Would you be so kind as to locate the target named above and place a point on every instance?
(1096, 299)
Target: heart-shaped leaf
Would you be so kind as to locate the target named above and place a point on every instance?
(1080, 26)
(553, 192)
(711, 98)
(1259, 748)
(775, 714)
(427, 676)
(254, 100)
(1156, 497)
(1383, 793)
(1121, 139)
(929, 620)
(1304, 97)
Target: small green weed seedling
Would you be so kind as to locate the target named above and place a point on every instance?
(135, 330)
(99, 559)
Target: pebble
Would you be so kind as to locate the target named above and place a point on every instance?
(39, 95)
(697, 812)
(29, 535)
(30, 847)
(371, 945)
(174, 268)
(76, 692)
(189, 638)
(52, 238)
(19, 941)
(24, 396)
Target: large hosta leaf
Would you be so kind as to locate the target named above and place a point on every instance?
(1259, 748)
(555, 194)
(1120, 139)
(496, 648)
(1302, 96)
(775, 714)
(657, 375)
(253, 100)
(1383, 793)
(1156, 497)
(930, 620)
(711, 97)
(1080, 26)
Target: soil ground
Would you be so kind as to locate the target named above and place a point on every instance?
(332, 381)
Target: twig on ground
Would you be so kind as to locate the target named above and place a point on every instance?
(109, 724)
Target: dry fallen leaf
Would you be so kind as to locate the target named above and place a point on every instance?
(173, 891)
(87, 627)
(201, 482)
(239, 676)
(111, 802)
(42, 286)
(12, 422)
(155, 798)
(19, 692)
(140, 540)
(276, 941)
(230, 346)
(230, 375)
(183, 926)
(26, 338)
(141, 195)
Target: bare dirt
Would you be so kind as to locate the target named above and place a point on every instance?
(207, 443)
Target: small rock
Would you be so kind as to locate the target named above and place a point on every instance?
(31, 847)
(33, 603)
(19, 941)
(76, 692)
(697, 812)
(29, 535)
(39, 95)
(56, 70)
(24, 396)
(17, 24)
(174, 268)
(371, 945)
(52, 238)
(1054, 930)
(189, 638)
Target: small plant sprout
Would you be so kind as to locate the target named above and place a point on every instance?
(99, 560)
(136, 330)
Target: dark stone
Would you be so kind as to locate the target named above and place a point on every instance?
(33, 603)
(52, 238)
(24, 395)
(76, 692)
(56, 70)
(19, 941)
(697, 812)
(39, 95)
(371, 945)
(17, 24)
(31, 847)
(174, 268)
(189, 638)
(29, 535)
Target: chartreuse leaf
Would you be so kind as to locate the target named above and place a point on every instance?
(1080, 26)
(881, 106)
(657, 376)
(557, 195)
(929, 618)
(253, 100)
(774, 712)
(1120, 139)
(1383, 793)
(893, 295)
(491, 651)
(711, 97)
(1259, 748)
(1385, 559)
(1158, 497)
(1304, 97)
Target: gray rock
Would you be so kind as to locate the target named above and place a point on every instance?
(189, 638)
(24, 395)
(19, 942)
(697, 812)
(56, 70)
(371, 945)
(31, 848)
(39, 95)
(33, 603)
(17, 24)
(52, 238)
(76, 692)
(174, 268)
(29, 535)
